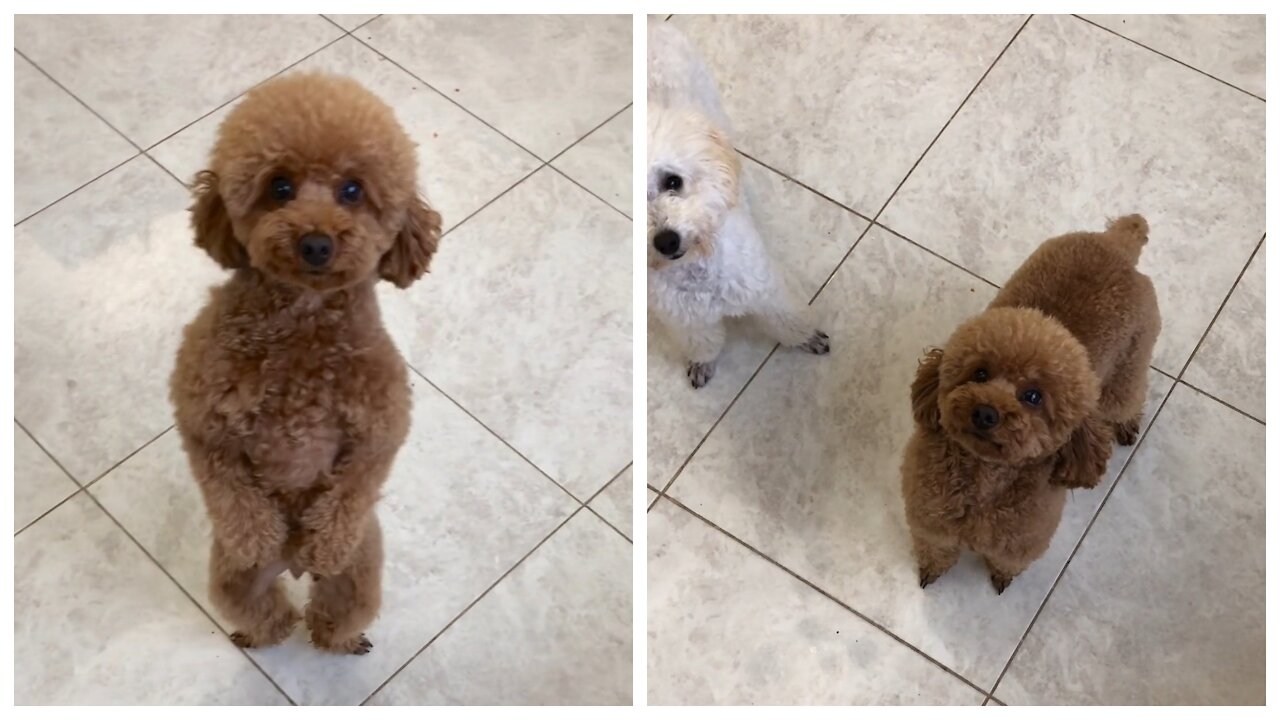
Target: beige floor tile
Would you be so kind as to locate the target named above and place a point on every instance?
(38, 483)
(1231, 364)
(614, 502)
(602, 162)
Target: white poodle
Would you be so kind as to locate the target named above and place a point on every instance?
(706, 258)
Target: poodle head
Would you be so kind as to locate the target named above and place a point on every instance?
(313, 182)
(1012, 386)
(692, 184)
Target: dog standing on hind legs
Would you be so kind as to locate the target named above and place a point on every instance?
(707, 260)
(289, 396)
(1025, 401)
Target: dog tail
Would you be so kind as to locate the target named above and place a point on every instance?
(1130, 232)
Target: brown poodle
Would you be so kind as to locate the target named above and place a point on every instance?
(1025, 400)
(290, 397)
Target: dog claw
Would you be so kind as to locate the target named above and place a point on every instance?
(927, 579)
(240, 639)
(818, 344)
(1000, 583)
(362, 647)
(701, 373)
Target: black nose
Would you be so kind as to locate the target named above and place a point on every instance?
(667, 242)
(315, 249)
(985, 417)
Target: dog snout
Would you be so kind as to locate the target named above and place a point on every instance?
(316, 249)
(667, 242)
(985, 417)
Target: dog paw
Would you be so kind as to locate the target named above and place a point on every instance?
(819, 343)
(273, 633)
(358, 645)
(1000, 582)
(701, 373)
(1127, 432)
(927, 577)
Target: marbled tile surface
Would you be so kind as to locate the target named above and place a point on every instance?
(845, 104)
(1228, 47)
(1231, 363)
(727, 627)
(569, 600)
(543, 80)
(1172, 573)
(58, 143)
(107, 276)
(1092, 137)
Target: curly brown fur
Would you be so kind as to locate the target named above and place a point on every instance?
(290, 397)
(1025, 401)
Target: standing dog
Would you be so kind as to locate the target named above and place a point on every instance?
(706, 258)
(290, 397)
(1025, 400)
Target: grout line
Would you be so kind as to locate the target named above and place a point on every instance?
(829, 596)
(433, 88)
(1169, 57)
(1220, 401)
(666, 488)
(470, 605)
(495, 434)
(117, 166)
(587, 190)
(1221, 306)
(497, 197)
(597, 493)
(810, 188)
(59, 504)
(126, 458)
(929, 147)
(943, 258)
(588, 134)
(610, 525)
(287, 68)
(45, 450)
(183, 590)
(1080, 541)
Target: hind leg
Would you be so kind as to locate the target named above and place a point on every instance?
(1125, 393)
(253, 599)
(343, 605)
(791, 323)
(934, 556)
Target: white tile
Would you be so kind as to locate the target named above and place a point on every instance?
(563, 618)
(99, 624)
(149, 75)
(601, 162)
(459, 511)
(614, 502)
(461, 163)
(1173, 573)
(350, 22)
(1075, 125)
(727, 627)
(38, 483)
(1232, 48)
(525, 320)
(543, 80)
(59, 145)
(1231, 364)
(845, 104)
(104, 282)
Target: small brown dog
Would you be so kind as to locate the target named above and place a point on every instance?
(290, 397)
(1025, 400)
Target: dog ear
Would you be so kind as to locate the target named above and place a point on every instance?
(410, 255)
(1081, 462)
(212, 224)
(924, 391)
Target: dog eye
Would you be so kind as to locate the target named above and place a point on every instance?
(281, 189)
(1031, 397)
(350, 192)
(980, 375)
(672, 183)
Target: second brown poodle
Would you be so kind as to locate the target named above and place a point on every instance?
(290, 397)
(1025, 400)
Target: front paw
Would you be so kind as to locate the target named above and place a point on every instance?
(819, 343)
(701, 373)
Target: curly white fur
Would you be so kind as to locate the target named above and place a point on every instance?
(707, 260)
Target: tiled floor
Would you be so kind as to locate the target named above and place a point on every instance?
(911, 164)
(499, 521)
